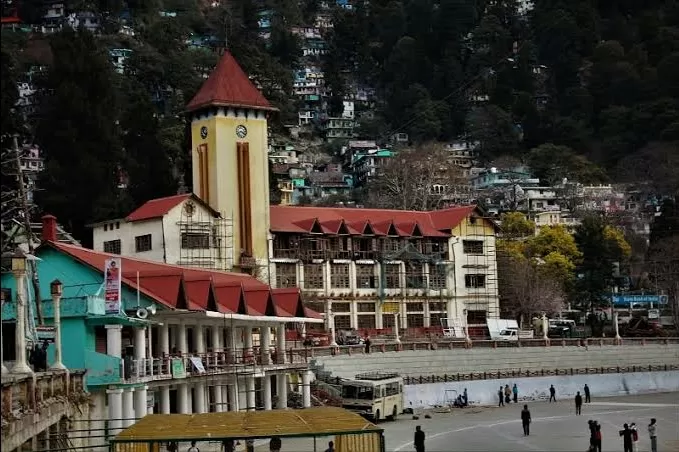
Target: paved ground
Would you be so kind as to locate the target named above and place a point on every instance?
(555, 427)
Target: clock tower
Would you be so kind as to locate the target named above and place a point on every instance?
(230, 159)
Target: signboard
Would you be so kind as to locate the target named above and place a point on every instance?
(178, 370)
(45, 333)
(626, 301)
(112, 286)
(198, 364)
(391, 307)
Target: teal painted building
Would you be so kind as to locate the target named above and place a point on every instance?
(83, 318)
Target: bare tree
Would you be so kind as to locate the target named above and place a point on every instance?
(509, 193)
(525, 290)
(663, 267)
(423, 178)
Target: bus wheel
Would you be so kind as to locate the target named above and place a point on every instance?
(394, 414)
(377, 416)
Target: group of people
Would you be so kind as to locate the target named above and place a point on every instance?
(506, 394)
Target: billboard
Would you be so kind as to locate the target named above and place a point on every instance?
(113, 296)
(638, 301)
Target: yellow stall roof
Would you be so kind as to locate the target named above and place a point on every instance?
(315, 421)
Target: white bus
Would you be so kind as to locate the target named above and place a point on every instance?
(376, 395)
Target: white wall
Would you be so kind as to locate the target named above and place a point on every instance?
(484, 392)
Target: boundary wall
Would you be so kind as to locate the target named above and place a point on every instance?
(484, 392)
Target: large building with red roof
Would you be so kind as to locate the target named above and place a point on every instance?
(358, 267)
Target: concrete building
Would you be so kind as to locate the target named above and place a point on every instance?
(180, 340)
(362, 266)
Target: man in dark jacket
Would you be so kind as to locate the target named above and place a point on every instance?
(525, 420)
(627, 442)
(588, 399)
(419, 439)
(578, 404)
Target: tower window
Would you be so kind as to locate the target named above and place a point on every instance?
(193, 240)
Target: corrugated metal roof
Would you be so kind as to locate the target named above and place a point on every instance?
(316, 421)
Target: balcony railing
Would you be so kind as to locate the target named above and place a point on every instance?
(216, 362)
(25, 394)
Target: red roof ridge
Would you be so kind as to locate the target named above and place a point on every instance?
(228, 86)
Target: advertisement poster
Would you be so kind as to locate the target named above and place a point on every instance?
(112, 286)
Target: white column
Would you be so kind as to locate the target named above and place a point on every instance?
(247, 340)
(199, 397)
(616, 326)
(165, 400)
(140, 350)
(183, 406)
(58, 364)
(182, 342)
(545, 327)
(306, 388)
(265, 343)
(217, 338)
(331, 329)
(282, 386)
(280, 344)
(250, 397)
(396, 329)
(199, 338)
(266, 392)
(140, 401)
(233, 397)
(217, 397)
(115, 410)
(21, 364)
(128, 407)
(149, 342)
(164, 339)
(114, 340)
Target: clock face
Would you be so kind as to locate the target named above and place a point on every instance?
(241, 131)
(203, 132)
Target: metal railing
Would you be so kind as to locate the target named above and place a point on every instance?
(522, 373)
(215, 362)
(452, 344)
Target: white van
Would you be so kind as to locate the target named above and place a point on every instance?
(375, 395)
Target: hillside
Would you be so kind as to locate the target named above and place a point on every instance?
(600, 82)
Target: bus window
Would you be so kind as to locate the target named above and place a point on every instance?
(392, 389)
(357, 392)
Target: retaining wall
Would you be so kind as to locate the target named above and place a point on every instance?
(415, 363)
(484, 392)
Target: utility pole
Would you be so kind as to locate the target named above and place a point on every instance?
(26, 214)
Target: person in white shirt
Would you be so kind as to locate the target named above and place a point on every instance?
(652, 434)
(193, 447)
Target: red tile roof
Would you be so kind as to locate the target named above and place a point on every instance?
(228, 86)
(405, 223)
(11, 20)
(194, 289)
(159, 207)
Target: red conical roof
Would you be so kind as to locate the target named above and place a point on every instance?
(228, 86)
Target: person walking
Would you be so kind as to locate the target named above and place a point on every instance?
(515, 391)
(591, 425)
(331, 447)
(172, 446)
(652, 434)
(588, 399)
(501, 396)
(635, 437)
(418, 441)
(508, 394)
(193, 447)
(552, 393)
(578, 404)
(275, 444)
(525, 420)
(597, 438)
(626, 434)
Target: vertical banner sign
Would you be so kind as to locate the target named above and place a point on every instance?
(112, 286)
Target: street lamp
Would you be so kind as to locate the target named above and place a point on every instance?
(56, 289)
(2, 348)
(19, 272)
